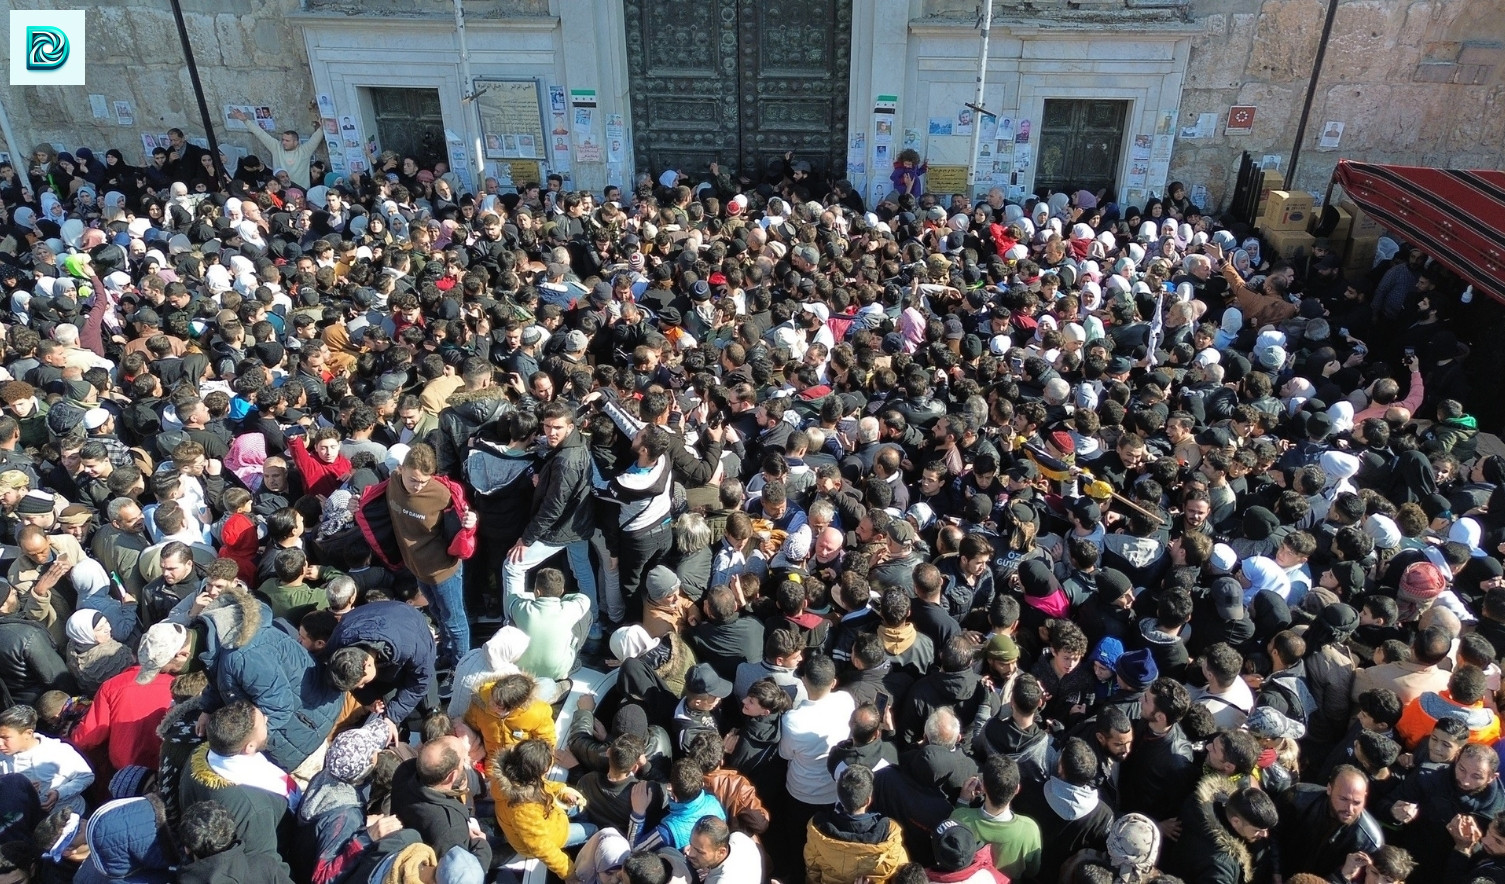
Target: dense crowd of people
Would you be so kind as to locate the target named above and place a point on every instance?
(937, 541)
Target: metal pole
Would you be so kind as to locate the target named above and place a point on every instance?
(982, 79)
(18, 154)
(1311, 89)
(468, 94)
(198, 90)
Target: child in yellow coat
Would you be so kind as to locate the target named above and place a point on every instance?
(533, 812)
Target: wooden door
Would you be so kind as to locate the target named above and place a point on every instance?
(410, 122)
(1081, 145)
(738, 82)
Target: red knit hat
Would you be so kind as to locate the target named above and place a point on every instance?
(1422, 582)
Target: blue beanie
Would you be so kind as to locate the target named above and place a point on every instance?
(1108, 652)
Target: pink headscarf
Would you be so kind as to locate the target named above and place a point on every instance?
(246, 457)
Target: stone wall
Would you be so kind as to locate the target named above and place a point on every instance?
(1416, 82)
(247, 52)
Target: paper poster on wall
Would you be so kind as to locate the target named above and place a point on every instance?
(1140, 150)
(1165, 122)
(1022, 134)
(881, 155)
(883, 131)
(149, 143)
(911, 139)
(349, 133)
(941, 125)
(1205, 127)
(326, 105)
(1240, 120)
(987, 128)
(99, 106)
(556, 99)
(1161, 151)
(264, 118)
(527, 145)
(963, 122)
(331, 129)
(1270, 162)
(124, 115)
(1332, 135)
(355, 159)
(1199, 197)
(615, 127)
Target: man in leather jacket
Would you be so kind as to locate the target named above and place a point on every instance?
(1321, 826)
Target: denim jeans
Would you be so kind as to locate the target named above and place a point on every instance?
(579, 834)
(515, 574)
(447, 605)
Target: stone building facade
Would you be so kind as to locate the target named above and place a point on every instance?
(1123, 93)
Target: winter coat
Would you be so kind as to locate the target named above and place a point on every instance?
(400, 638)
(442, 819)
(94, 665)
(250, 659)
(232, 866)
(980, 871)
(840, 848)
(1070, 818)
(1157, 774)
(739, 798)
(128, 842)
(535, 830)
(1422, 714)
(1031, 749)
(29, 663)
(126, 716)
(535, 721)
(260, 816)
(319, 478)
(562, 509)
(375, 522)
(466, 412)
(1312, 840)
(1016, 842)
(1209, 851)
(1329, 676)
(963, 691)
(1169, 651)
(1435, 793)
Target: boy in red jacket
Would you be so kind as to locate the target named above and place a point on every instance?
(325, 468)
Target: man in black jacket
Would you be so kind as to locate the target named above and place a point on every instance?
(1322, 826)
(426, 796)
(1427, 802)
(1224, 835)
(1158, 772)
(563, 516)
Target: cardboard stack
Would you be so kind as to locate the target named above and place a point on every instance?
(1287, 210)
(1363, 238)
(1290, 244)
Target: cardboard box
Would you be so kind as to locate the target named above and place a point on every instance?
(1290, 244)
(1340, 233)
(1272, 180)
(1358, 254)
(1363, 224)
(1288, 210)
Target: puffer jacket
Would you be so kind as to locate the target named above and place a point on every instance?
(375, 522)
(534, 721)
(29, 663)
(739, 797)
(1208, 849)
(1329, 676)
(249, 659)
(533, 829)
(233, 867)
(464, 413)
(400, 638)
(840, 848)
(128, 841)
(562, 508)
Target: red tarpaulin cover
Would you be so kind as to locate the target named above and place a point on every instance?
(1456, 216)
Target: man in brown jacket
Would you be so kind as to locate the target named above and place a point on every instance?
(1260, 308)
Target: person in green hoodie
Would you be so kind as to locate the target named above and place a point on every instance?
(1454, 432)
(296, 587)
(1014, 837)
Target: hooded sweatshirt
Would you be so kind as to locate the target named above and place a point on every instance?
(493, 660)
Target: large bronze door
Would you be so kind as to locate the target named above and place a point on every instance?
(738, 82)
(1081, 143)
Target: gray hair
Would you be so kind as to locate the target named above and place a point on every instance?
(867, 430)
(824, 508)
(691, 533)
(943, 728)
(112, 510)
(1192, 261)
(341, 592)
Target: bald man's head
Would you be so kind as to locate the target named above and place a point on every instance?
(438, 760)
(1441, 618)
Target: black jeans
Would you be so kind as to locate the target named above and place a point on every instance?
(639, 551)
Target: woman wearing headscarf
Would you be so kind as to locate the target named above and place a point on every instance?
(94, 656)
(1412, 478)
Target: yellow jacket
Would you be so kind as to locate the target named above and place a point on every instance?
(534, 721)
(534, 829)
(830, 860)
